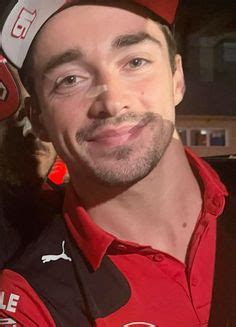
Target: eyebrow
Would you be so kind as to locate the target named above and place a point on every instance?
(132, 39)
(119, 42)
(62, 58)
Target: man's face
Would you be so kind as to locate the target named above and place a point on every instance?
(106, 91)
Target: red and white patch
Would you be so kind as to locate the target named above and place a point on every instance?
(3, 91)
(9, 302)
(9, 93)
(23, 23)
(8, 322)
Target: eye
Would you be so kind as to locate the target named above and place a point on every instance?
(68, 81)
(137, 62)
(71, 83)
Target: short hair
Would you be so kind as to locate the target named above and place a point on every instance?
(171, 44)
(27, 77)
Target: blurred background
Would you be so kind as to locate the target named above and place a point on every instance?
(206, 34)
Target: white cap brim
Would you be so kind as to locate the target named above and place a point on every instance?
(22, 24)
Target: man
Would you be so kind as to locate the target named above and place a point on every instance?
(138, 244)
(9, 103)
(24, 165)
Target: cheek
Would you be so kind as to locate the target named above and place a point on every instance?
(66, 113)
(156, 95)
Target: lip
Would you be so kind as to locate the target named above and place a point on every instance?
(117, 136)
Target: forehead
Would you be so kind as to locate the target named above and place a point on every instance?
(87, 25)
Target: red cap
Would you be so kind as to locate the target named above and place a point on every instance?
(166, 9)
(28, 16)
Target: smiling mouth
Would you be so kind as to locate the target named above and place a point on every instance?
(117, 136)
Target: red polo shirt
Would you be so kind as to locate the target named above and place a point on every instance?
(164, 291)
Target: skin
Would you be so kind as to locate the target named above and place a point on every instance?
(108, 106)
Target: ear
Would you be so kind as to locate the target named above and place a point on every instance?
(178, 79)
(34, 114)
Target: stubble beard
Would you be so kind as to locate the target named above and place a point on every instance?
(128, 164)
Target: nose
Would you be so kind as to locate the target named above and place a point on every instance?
(111, 98)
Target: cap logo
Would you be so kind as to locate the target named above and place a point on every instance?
(3, 91)
(9, 93)
(23, 23)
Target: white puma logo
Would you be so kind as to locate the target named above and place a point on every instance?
(7, 321)
(55, 257)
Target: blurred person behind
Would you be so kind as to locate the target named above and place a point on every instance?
(25, 162)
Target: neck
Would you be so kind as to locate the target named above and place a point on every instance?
(161, 210)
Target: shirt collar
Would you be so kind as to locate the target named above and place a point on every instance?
(214, 191)
(94, 241)
(90, 238)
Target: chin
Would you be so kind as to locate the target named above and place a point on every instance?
(126, 173)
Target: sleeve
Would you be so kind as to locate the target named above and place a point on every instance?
(19, 303)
